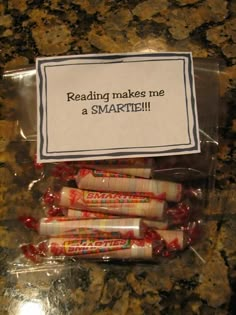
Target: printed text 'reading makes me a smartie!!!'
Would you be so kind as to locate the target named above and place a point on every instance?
(144, 105)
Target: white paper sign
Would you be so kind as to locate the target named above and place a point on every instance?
(116, 105)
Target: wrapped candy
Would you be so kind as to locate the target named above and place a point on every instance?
(88, 215)
(97, 215)
(106, 202)
(113, 205)
(104, 181)
(164, 243)
(69, 226)
(139, 167)
(55, 211)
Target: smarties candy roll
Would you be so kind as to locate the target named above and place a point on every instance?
(104, 249)
(112, 203)
(145, 172)
(87, 179)
(139, 167)
(162, 225)
(108, 228)
(88, 214)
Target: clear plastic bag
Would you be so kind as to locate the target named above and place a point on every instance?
(177, 185)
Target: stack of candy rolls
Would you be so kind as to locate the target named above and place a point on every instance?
(116, 211)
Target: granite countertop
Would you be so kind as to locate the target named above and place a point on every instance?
(183, 285)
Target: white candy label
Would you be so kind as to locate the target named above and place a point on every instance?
(116, 105)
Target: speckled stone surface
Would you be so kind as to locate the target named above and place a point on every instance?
(184, 285)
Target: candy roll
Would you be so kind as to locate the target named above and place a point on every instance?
(80, 214)
(104, 249)
(109, 228)
(88, 214)
(160, 225)
(111, 203)
(138, 250)
(87, 179)
(72, 247)
(139, 167)
(145, 172)
(146, 249)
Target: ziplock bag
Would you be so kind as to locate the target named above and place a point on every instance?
(161, 199)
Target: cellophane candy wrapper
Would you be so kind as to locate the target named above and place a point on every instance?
(137, 209)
